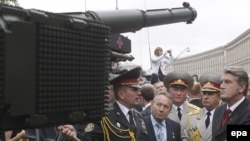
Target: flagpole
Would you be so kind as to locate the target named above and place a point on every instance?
(116, 4)
(85, 5)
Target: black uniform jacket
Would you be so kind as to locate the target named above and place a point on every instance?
(114, 127)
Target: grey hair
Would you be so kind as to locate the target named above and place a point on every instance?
(241, 74)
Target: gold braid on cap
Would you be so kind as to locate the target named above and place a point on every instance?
(107, 126)
(178, 82)
(129, 81)
(211, 85)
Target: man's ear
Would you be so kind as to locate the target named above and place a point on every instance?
(241, 88)
(121, 92)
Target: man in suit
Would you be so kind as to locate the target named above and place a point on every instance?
(178, 83)
(248, 92)
(159, 86)
(235, 110)
(147, 95)
(123, 122)
(195, 95)
(159, 126)
(199, 125)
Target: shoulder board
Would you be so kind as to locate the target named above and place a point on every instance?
(194, 112)
(135, 110)
(193, 106)
(137, 113)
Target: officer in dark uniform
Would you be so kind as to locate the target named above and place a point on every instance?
(123, 122)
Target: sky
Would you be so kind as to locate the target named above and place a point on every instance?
(218, 22)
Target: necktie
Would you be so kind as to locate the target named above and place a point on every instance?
(131, 121)
(225, 117)
(159, 132)
(207, 121)
(179, 112)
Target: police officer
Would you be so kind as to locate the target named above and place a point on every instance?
(178, 83)
(200, 122)
(123, 122)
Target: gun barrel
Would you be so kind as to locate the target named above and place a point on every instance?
(121, 21)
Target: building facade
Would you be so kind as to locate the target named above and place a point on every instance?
(236, 52)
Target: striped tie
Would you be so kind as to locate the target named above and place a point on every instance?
(159, 132)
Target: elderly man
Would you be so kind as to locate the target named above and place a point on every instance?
(178, 83)
(123, 122)
(200, 123)
(159, 126)
(235, 110)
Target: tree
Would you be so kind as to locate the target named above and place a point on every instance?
(10, 2)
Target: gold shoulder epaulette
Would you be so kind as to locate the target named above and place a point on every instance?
(193, 106)
(194, 112)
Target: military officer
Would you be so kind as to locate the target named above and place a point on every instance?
(199, 126)
(123, 122)
(178, 83)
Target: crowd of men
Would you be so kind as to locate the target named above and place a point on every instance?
(167, 111)
(175, 109)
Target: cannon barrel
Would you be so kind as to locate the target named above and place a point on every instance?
(54, 65)
(131, 20)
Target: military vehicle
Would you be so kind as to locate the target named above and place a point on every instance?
(54, 67)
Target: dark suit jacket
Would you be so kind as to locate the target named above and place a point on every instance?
(196, 102)
(240, 116)
(138, 107)
(173, 130)
(146, 111)
(2, 136)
